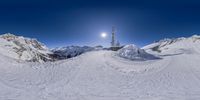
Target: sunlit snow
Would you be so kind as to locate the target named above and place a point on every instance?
(104, 75)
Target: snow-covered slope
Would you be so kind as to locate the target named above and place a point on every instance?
(175, 46)
(133, 52)
(101, 75)
(21, 48)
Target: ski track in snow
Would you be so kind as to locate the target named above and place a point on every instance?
(102, 75)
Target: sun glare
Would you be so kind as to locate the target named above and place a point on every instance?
(103, 35)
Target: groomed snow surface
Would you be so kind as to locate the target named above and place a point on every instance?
(104, 75)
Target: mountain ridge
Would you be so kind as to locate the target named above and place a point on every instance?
(23, 48)
(174, 44)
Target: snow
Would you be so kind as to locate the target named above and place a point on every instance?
(22, 48)
(103, 75)
(175, 46)
(133, 52)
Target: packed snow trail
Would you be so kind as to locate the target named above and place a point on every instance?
(102, 75)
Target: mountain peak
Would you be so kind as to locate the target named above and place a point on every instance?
(8, 36)
(195, 36)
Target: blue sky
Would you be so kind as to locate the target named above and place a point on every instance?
(80, 22)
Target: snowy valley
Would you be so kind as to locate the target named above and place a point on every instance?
(165, 70)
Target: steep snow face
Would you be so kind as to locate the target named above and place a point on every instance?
(133, 52)
(175, 46)
(70, 51)
(21, 48)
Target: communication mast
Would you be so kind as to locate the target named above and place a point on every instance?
(114, 45)
(113, 37)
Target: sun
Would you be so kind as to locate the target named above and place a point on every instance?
(103, 35)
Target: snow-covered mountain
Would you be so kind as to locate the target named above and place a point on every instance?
(21, 48)
(70, 51)
(133, 52)
(175, 46)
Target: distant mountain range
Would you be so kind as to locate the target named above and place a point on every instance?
(73, 51)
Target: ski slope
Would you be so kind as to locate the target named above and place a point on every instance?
(102, 75)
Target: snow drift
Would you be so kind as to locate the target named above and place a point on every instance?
(135, 53)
